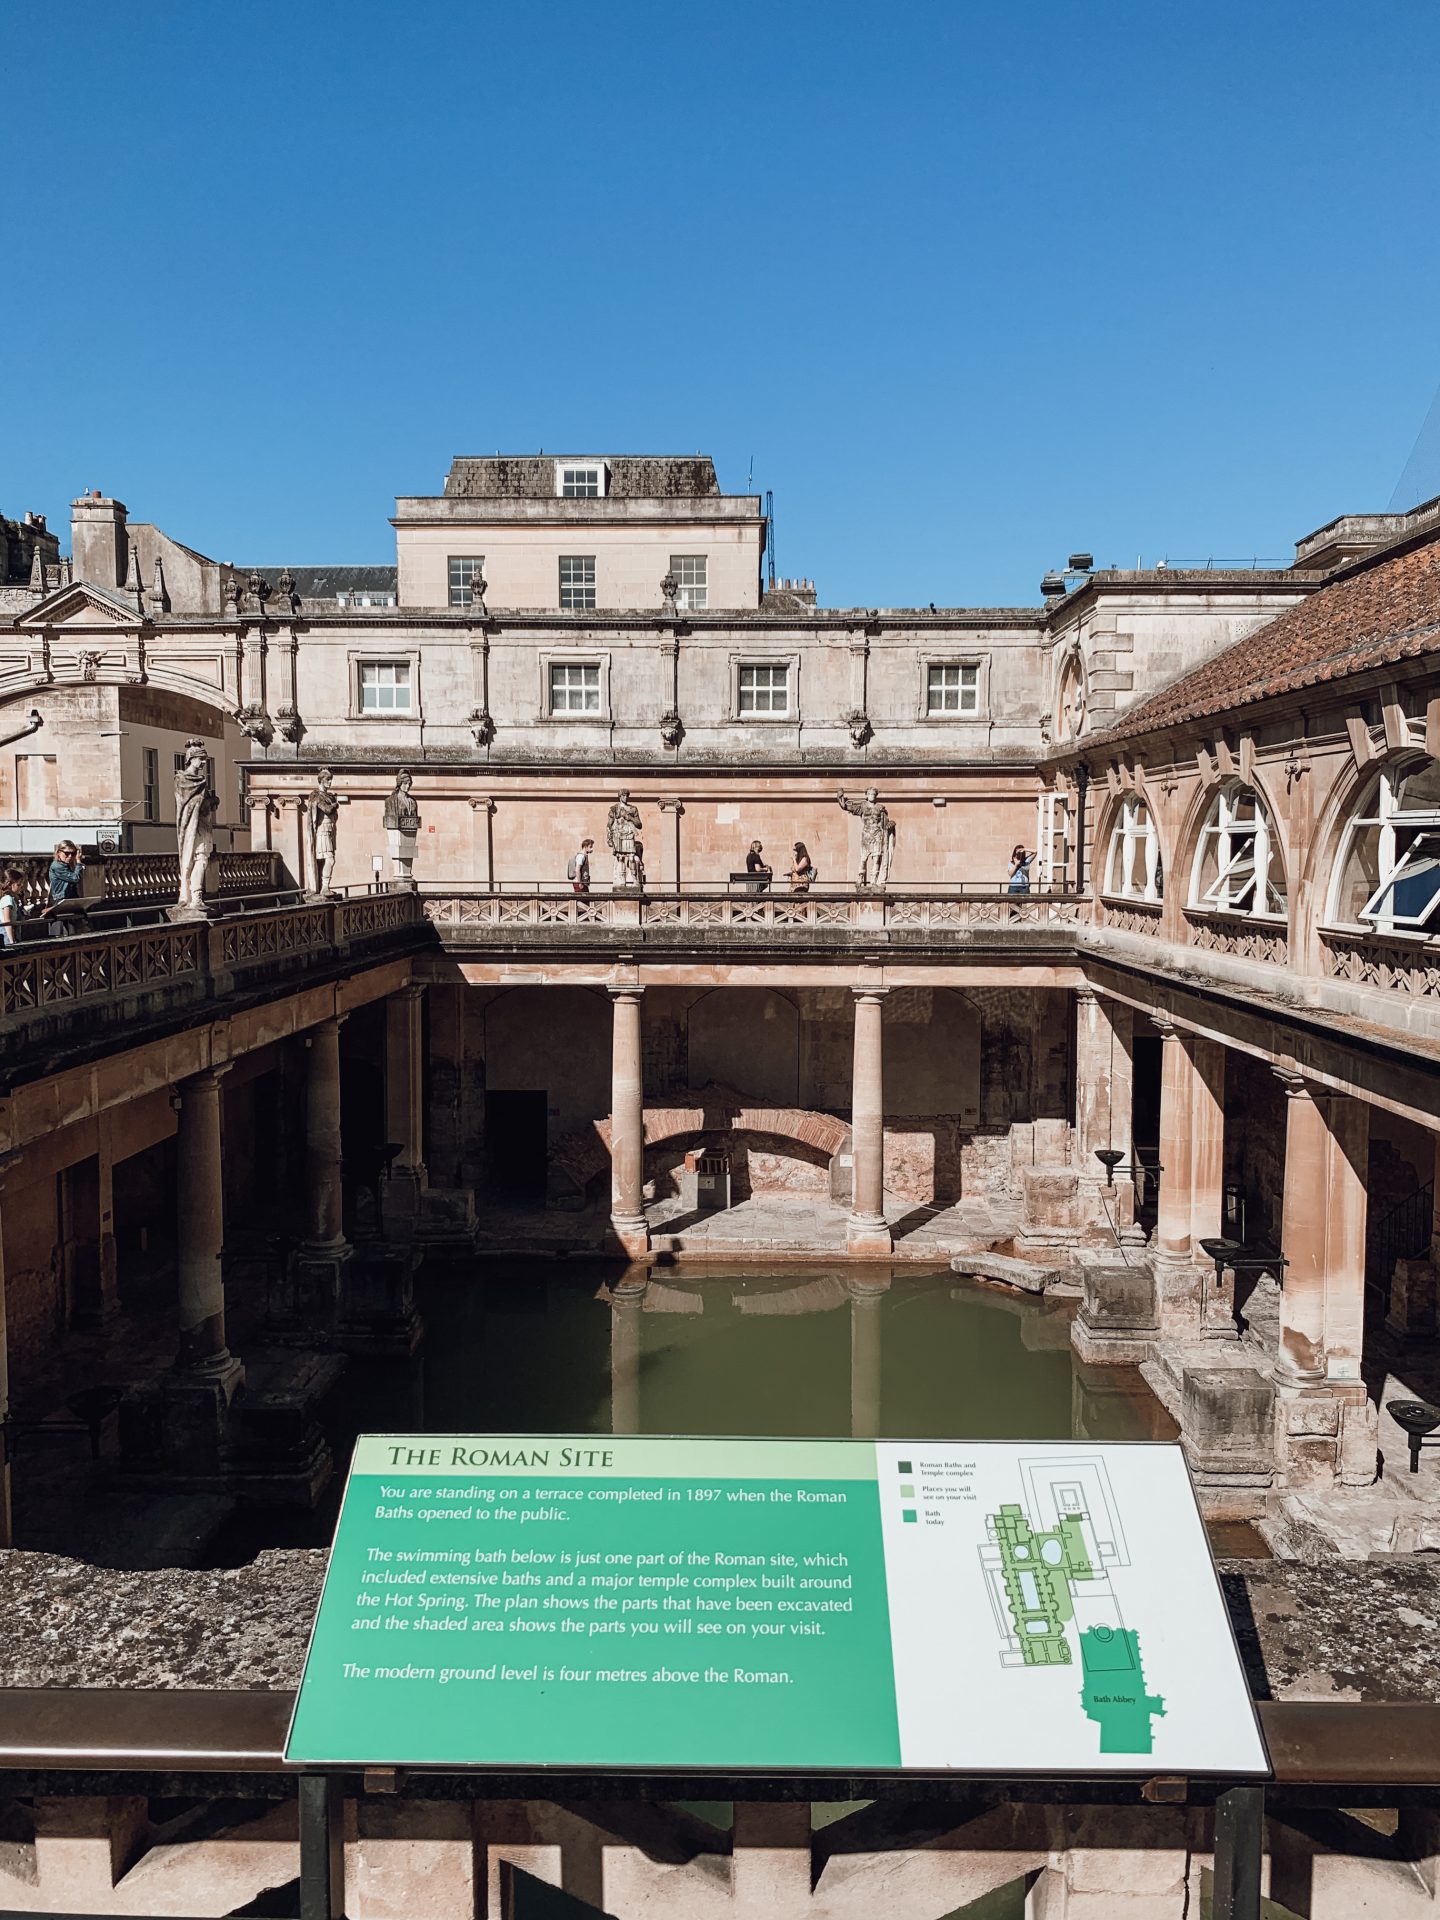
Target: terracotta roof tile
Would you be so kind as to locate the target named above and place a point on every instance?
(1382, 611)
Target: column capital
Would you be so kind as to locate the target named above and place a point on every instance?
(870, 993)
(207, 1080)
(335, 1020)
(1087, 997)
(629, 991)
(412, 990)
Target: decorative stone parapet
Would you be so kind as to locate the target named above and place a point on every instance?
(1246, 939)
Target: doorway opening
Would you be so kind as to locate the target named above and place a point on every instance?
(516, 1147)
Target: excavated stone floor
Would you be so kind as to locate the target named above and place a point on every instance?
(1339, 1631)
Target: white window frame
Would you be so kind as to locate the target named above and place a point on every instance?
(693, 595)
(788, 665)
(1053, 845)
(582, 465)
(410, 660)
(572, 559)
(1382, 812)
(558, 657)
(1243, 882)
(463, 595)
(974, 688)
(1133, 867)
(567, 668)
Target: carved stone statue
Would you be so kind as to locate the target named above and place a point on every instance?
(877, 837)
(622, 835)
(402, 824)
(196, 805)
(321, 816)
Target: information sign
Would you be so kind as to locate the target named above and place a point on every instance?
(762, 1605)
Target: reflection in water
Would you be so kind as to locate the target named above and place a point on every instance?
(533, 1346)
(572, 1346)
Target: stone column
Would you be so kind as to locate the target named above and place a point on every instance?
(867, 1232)
(200, 1215)
(404, 1180)
(1177, 1277)
(325, 1225)
(1104, 1040)
(1327, 1425)
(306, 1305)
(1301, 1355)
(1207, 1185)
(1411, 1313)
(628, 1226)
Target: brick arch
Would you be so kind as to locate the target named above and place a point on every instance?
(714, 1111)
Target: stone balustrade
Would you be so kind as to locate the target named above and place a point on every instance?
(463, 917)
(54, 991)
(148, 879)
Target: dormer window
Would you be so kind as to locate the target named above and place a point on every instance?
(580, 479)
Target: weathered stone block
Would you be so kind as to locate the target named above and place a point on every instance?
(1119, 1297)
(1052, 1196)
(1311, 1413)
(1228, 1420)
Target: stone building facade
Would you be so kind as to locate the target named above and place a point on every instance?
(1220, 978)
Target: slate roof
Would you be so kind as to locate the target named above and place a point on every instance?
(323, 583)
(633, 476)
(1376, 612)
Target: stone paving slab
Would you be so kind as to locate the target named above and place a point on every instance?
(1337, 1631)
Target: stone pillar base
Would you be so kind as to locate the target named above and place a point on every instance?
(177, 1426)
(304, 1298)
(1117, 1324)
(401, 1195)
(867, 1239)
(1178, 1294)
(447, 1217)
(376, 1306)
(1227, 1426)
(628, 1237)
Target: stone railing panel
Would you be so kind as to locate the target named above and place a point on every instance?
(742, 914)
(66, 973)
(1132, 916)
(1393, 966)
(1237, 934)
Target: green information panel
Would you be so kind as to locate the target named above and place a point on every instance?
(574, 1601)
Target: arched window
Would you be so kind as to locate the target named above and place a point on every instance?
(1388, 872)
(1238, 868)
(1132, 868)
(1070, 699)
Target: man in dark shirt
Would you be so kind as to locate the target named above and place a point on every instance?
(64, 885)
(756, 868)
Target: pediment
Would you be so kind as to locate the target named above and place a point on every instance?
(79, 603)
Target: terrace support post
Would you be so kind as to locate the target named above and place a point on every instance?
(192, 1409)
(200, 1221)
(322, 1847)
(1177, 1278)
(1207, 1184)
(629, 1229)
(1326, 1426)
(1104, 1078)
(311, 1302)
(867, 1232)
(404, 1180)
(1239, 1846)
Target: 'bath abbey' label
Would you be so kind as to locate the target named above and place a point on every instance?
(577, 1600)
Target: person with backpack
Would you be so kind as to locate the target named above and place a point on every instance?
(577, 868)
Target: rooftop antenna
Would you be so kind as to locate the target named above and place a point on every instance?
(770, 536)
(750, 476)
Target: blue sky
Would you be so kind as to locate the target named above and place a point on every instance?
(974, 286)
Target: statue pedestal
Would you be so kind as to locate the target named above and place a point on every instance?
(402, 853)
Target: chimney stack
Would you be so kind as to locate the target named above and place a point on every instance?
(99, 540)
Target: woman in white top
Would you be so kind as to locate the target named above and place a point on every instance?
(12, 882)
